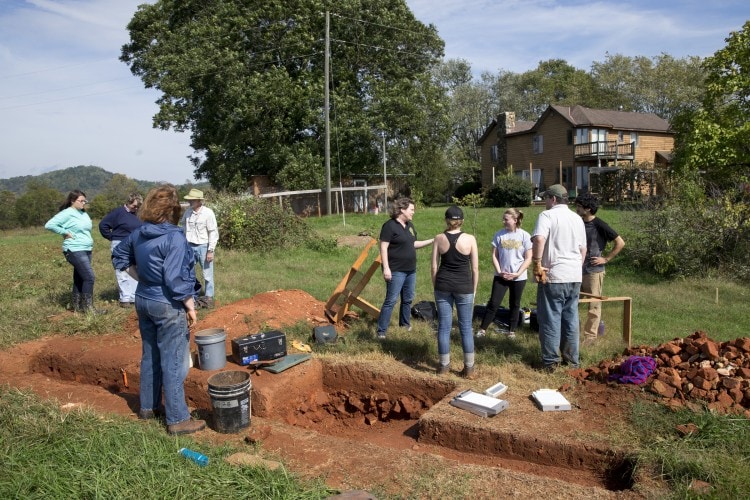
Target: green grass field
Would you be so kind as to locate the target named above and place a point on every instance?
(35, 284)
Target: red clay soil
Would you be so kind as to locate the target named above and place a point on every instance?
(354, 423)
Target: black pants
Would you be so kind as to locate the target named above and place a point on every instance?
(499, 287)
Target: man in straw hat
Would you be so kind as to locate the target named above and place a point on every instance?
(201, 231)
(558, 252)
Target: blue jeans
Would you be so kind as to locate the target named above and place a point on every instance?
(125, 283)
(83, 273)
(206, 267)
(165, 357)
(465, 310)
(557, 312)
(401, 284)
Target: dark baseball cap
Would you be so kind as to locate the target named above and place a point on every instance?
(454, 213)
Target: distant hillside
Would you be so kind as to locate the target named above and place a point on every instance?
(88, 179)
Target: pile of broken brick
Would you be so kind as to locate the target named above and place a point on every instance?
(689, 370)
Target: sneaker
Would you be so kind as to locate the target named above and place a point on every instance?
(481, 333)
(127, 305)
(381, 336)
(511, 335)
(188, 426)
(468, 373)
(443, 369)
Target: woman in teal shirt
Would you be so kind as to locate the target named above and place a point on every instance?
(74, 224)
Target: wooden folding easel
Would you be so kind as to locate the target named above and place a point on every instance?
(347, 292)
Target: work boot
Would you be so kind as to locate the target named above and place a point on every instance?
(443, 369)
(87, 305)
(188, 426)
(208, 302)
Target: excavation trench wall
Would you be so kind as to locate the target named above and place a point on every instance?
(329, 397)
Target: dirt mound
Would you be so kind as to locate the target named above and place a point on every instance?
(689, 370)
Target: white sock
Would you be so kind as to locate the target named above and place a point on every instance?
(445, 359)
(468, 359)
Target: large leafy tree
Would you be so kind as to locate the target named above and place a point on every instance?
(246, 79)
(662, 85)
(552, 82)
(470, 105)
(715, 139)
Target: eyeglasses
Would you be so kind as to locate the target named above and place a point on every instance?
(84, 201)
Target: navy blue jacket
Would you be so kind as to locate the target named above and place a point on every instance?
(164, 260)
(119, 223)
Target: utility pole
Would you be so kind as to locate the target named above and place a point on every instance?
(327, 115)
(385, 179)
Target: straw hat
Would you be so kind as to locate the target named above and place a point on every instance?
(194, 194)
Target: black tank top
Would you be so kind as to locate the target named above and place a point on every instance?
(454, 273)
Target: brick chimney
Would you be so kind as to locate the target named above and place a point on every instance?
(506, 122)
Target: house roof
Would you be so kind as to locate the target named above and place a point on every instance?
(578, 116)
(521, 126)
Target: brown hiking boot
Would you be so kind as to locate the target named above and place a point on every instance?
(468, 373)
(187, 427)
(443, 369)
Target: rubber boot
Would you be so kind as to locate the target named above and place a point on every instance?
(87, 305)
(75, 302)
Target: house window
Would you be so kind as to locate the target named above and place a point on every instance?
(582, 135)
(538, 144)
(569, 137)
(493, 152)
(582, 179)
(567, 176)
(536, 178)
(620, 137)
(634, 138)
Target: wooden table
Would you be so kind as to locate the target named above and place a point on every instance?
(627, 313)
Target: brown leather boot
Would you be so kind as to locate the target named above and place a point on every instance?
(468, 373)
(188, 426)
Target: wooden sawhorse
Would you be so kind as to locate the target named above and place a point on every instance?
(627, 312)
(347, 292)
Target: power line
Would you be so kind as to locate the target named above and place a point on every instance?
(378, 24)
(378, 47)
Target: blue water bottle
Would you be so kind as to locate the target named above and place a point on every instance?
(198, 458)
(600, 331)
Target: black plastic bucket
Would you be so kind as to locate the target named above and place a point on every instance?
(230, 400)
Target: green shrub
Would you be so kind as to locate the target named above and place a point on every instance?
(247, 223)
(509, 191)
(467, 188)
(693, 234)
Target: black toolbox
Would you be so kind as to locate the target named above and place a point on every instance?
(264, 346)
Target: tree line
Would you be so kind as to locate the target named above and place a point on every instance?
(247, 79)
(33, 200)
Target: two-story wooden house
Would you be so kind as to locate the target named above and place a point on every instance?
(571, 145)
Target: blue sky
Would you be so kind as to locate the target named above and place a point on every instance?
(66, 100)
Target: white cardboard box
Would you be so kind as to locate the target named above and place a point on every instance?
(479, 404)
(550, 400)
